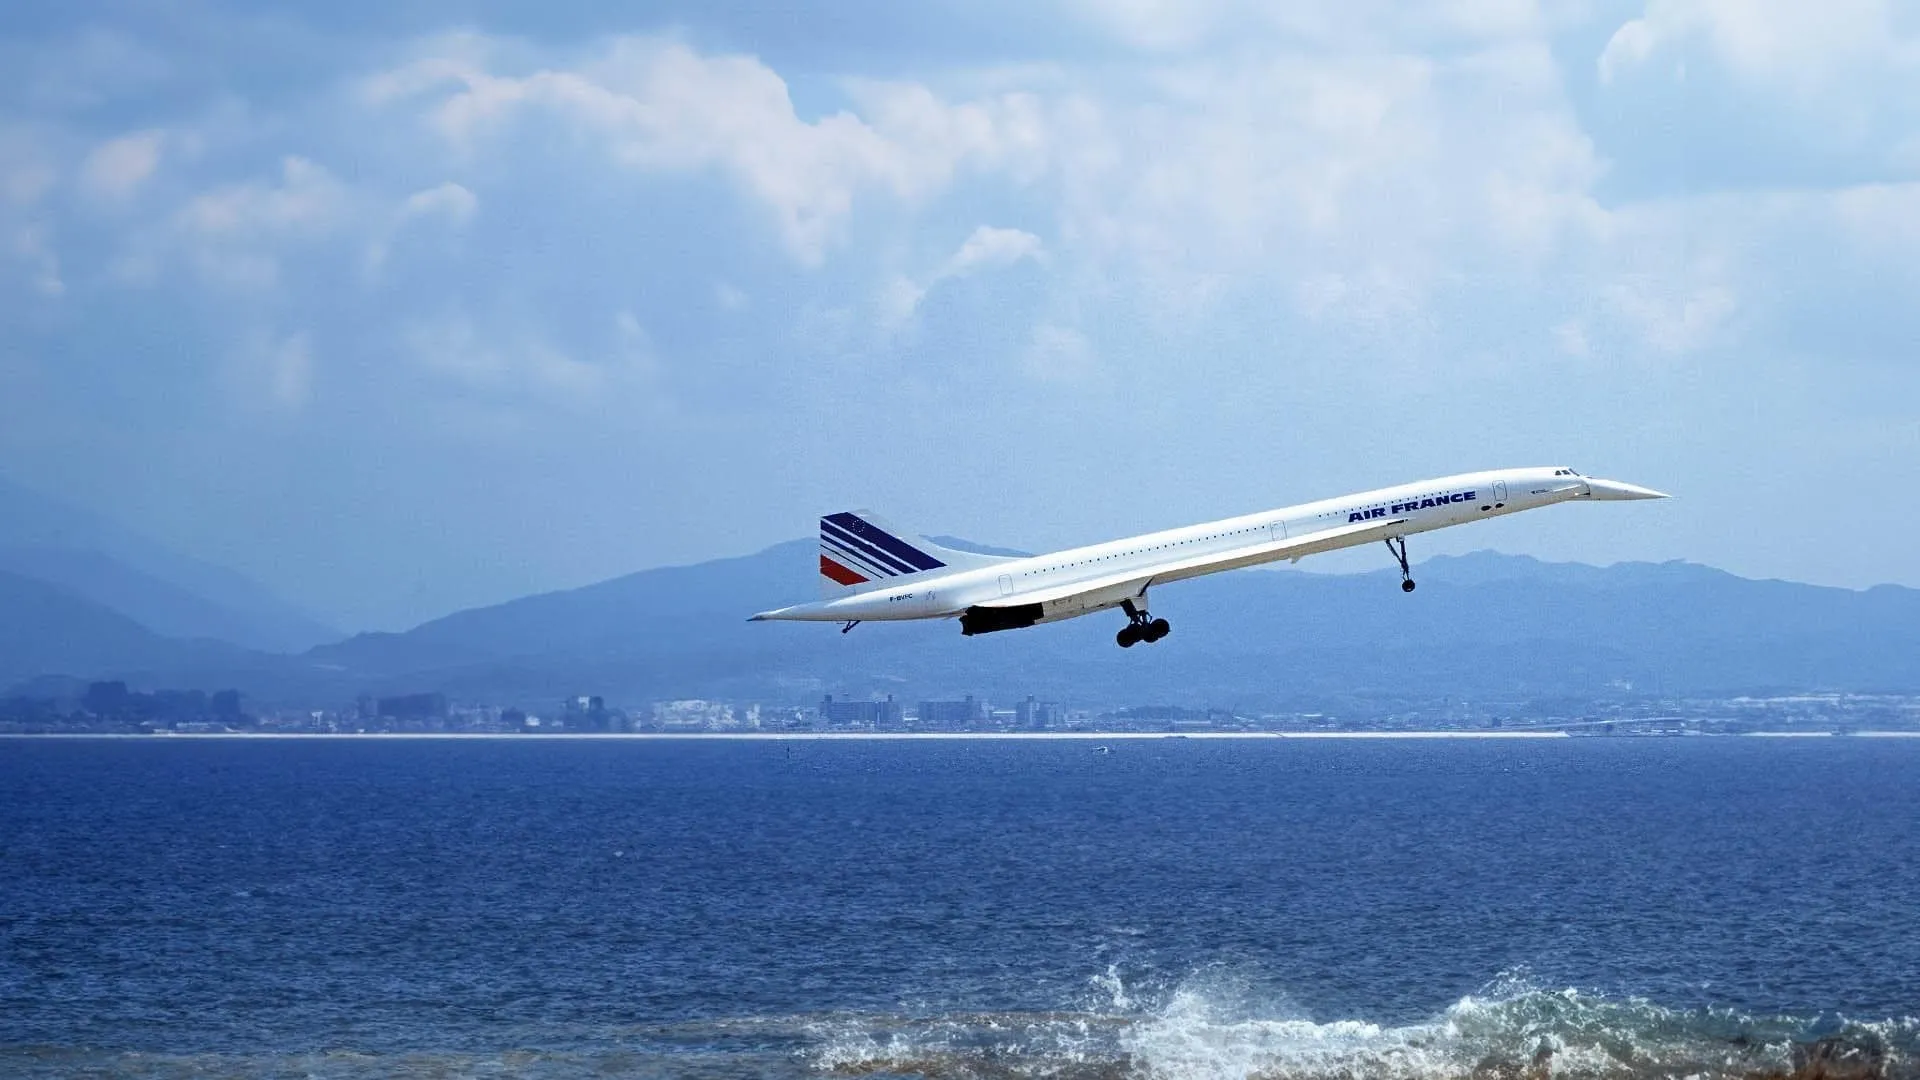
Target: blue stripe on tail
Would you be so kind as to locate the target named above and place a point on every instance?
(890, 544)
(890, 564)
(860, 561)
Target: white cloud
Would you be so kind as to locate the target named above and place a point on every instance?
(1673, 320)
(1158, 25)
(1358, 177)
(1630, 47)
(520, 367)
(450, 201)
(237, 235)
(116, 169)
(1881, 217)
(1683, 276)
(1210, 181)
(307, 200)
(1571, 336)
(1335, 168)
(1058, 354)
(1189, 182)
(1371, 296)
(1162, 26)
(659, 106)
(991, 246)
(899, 299)
(1805, 48)
(985, 248)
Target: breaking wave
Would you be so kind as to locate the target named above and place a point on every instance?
(1207, 1029)
(1210, 1026)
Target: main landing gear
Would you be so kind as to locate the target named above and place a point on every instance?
(1141, 626)
(1400, 553)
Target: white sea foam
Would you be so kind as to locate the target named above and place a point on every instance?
(1210, 1027)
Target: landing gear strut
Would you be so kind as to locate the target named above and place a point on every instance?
(1400, 553)
(1141, 626)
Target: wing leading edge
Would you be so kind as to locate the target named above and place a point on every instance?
(1210, 563)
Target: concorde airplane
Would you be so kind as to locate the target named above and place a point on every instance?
(872, 571)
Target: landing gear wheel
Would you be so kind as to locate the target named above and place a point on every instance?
(1140, 627)
(1400, 556)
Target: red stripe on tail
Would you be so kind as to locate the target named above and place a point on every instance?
(840, 573)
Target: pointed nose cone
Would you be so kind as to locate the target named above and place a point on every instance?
(1618, 491)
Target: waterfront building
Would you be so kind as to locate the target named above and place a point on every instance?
(885, 713)
(969, 712)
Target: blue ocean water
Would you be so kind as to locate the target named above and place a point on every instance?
(1178, 908)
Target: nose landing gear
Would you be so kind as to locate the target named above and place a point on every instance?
(1400, 553)
(1141, 626)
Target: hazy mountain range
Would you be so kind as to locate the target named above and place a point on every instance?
(1482, 627)
(83, 553)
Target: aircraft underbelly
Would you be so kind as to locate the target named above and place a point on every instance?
(1086, 603)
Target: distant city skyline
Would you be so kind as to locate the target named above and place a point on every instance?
(403, 309)
(111, 708)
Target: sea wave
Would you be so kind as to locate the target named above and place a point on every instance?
(1214, 1024)
(1207, 1029)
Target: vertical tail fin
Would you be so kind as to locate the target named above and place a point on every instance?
(858, 551)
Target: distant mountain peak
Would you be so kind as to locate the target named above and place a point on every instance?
(84, 552)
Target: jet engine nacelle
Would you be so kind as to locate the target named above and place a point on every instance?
(988, 620)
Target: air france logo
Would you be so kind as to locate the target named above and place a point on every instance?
(1414, 504)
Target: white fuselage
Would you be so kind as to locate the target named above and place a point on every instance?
(1168, 555)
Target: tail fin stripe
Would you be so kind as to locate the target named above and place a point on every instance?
(840, 574)
(881, 538)
(861, 556)
(865, 547)
(856, 562)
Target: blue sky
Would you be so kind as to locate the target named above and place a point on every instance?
(406, 307)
